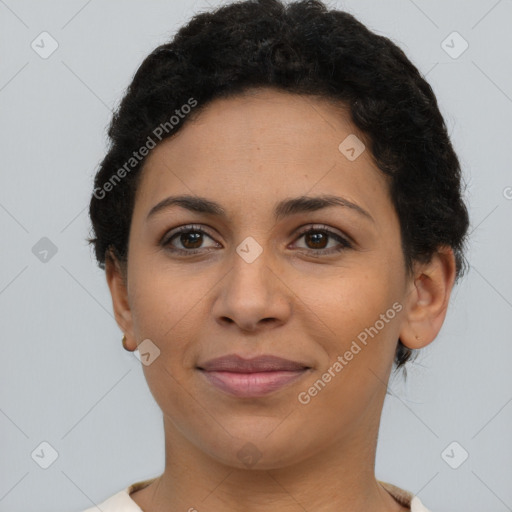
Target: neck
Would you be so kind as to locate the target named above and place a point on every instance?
(339, 479)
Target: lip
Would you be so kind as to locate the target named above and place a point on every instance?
(253, 377)
(239, 364)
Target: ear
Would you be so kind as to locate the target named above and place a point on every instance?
(118, 290)
(428, 299)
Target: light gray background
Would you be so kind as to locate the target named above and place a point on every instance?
(65, 377)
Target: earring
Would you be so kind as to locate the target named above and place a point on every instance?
(124, 343)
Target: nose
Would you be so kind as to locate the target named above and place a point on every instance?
(253, 295)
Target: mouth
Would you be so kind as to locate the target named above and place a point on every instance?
(251, 378)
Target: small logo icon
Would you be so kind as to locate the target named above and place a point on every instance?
(146, 352)
(44, 45)
(249, 454)
(45, 455)
(351, 147)
(44, 250)
(454, 455)
(249, 249)
(454, 45)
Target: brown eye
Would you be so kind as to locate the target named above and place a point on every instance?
(317, 239)
(191, 239)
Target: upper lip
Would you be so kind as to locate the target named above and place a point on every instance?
(238, 364)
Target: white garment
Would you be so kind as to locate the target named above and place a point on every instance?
(122, 502)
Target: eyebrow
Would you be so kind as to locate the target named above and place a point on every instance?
(285, 208)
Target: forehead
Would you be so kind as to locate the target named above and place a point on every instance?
(260, 144)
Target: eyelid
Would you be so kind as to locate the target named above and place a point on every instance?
(323, 227)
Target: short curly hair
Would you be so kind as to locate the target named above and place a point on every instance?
(304, 48)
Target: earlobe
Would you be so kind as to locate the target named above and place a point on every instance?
(428, 299)
(120, 303)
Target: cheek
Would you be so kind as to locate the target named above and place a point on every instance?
(359, 347)
(361, 310)
(167, 315)
(162, 300)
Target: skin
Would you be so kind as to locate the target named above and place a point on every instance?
(247, 153)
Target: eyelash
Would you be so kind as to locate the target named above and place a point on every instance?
(345, 244)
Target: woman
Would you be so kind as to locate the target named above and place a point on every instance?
(280, 219)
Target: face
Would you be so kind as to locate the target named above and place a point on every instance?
(324, 287)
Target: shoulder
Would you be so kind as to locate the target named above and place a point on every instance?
(406, 498)
(121, 501)
(417, 506)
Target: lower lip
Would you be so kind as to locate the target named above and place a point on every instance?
(252, 384)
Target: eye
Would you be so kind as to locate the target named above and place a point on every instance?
(317, 237)
(190, 237)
